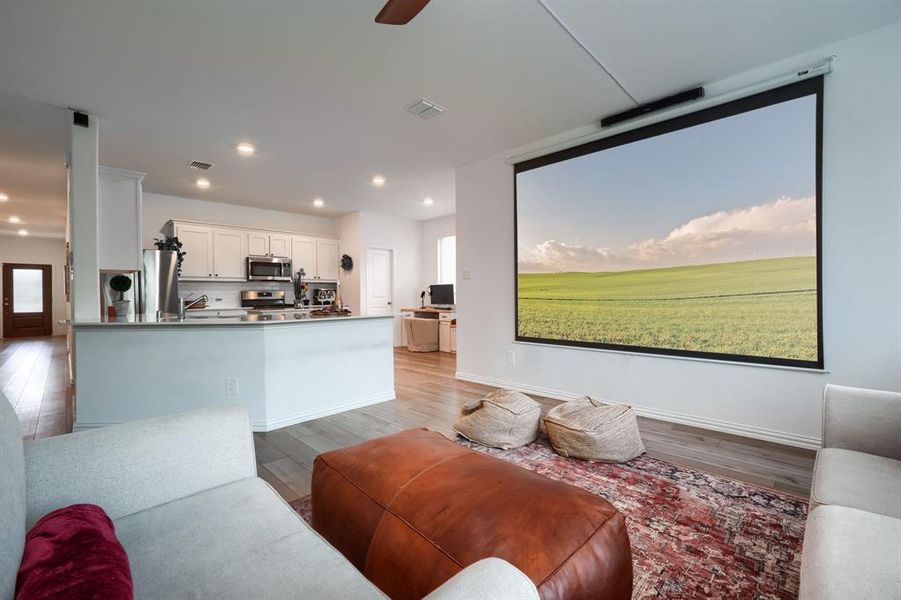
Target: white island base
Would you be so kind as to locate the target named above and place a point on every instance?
(284, 372)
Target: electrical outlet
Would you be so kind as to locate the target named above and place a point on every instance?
(511, 357)
(466, 273)
(231, 386)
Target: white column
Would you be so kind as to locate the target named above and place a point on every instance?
(83, 220)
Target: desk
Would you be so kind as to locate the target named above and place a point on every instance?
(446, 337)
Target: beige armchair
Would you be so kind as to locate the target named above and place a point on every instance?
(421, 334)
(854, 528)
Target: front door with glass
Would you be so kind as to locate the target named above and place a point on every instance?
(27, 300)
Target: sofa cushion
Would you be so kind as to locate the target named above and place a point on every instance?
(239, 540)
(849, 553)
(857, 480)
(72, 553)
(12, 498)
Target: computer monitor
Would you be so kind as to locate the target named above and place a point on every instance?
(442, 294)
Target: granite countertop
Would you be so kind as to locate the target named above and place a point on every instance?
(282, 317)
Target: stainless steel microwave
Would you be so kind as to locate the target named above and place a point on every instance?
(268, 268)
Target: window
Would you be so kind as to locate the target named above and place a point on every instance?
(28, 291)
(447, 259)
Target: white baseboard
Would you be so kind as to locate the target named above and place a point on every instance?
(270, 425)
(750, 431)
(79, 426)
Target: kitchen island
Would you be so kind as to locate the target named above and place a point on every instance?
(285, 368)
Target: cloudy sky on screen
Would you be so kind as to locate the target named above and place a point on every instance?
(740, 188)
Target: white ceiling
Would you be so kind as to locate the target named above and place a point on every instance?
(34, 142)
(320, 89)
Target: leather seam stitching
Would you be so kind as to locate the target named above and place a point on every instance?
(387, 509)
(564, 562)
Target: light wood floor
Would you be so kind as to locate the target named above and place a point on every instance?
(32, 375)
(34, 380)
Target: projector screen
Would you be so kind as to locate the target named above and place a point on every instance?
(698, 236)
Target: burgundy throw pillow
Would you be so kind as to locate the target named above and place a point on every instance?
(72, 554)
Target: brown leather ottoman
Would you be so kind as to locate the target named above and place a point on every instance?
(412, 509)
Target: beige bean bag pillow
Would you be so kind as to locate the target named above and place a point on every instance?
(589, 429)
(502, 419)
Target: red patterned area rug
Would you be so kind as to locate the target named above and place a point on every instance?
(693, 534)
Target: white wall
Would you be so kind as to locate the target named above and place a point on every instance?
(348, 230)
(41, 251)
(404, 237)
(861, 277)
(159, 208)
(432, 231)
(362, 231)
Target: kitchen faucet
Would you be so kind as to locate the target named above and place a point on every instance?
(184, 305)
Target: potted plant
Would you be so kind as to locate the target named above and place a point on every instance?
(121, 284)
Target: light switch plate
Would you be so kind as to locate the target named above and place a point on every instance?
(466, 273)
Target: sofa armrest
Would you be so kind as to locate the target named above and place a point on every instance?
(862, 420)
(130, 467)
(488, 579)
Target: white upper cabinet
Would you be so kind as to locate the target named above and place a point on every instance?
(257, 243)
(197, 243)
(229, 254)
(327, 261)
(119, 219)
(303, 255)
(280, 245)
(219, 252)
(261, 243)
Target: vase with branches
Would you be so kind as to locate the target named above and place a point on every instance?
(172, 244)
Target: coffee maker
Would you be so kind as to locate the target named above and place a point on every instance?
(324, 296)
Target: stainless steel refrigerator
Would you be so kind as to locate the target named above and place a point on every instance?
(159, 283)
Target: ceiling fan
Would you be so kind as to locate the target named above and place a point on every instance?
(399, 12)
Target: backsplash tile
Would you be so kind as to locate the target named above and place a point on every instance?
(227, 294)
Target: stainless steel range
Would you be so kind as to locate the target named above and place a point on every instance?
(264, 299)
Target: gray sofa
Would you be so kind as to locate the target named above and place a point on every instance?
(192, 515)
(852, 544)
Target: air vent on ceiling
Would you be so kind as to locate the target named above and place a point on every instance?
(200, 165)
(425, 109)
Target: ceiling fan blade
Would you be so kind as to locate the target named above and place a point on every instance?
(399, 12)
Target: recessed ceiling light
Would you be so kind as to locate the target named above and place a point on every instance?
(378, 181)
(14, 219)
(318, 203)
(23, 232)
(3, 197)
(203, 183)
(427, 202)
(246, 149)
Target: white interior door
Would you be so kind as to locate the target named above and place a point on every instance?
(379, 281)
